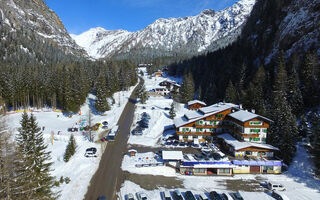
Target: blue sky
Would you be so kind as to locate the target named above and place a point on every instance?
(132, 15)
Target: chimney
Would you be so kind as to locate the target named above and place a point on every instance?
(253, 111)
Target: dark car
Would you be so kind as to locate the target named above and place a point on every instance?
(198, 157)
(176, 195)
(146, 115)
(105, 123)
(182, 144)
(143, 125)
(166, 108)
(214, 195)
(102, 197)
(168, 143)
(189, 144)
(146, 120)
(224, 196)
(175, 143)
(189, 195)
(236, 196)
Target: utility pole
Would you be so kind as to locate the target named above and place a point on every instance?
(89, 121)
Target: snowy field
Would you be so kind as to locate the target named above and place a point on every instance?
(79, 168)
(155, 107)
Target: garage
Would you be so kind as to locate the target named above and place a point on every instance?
(254, 169)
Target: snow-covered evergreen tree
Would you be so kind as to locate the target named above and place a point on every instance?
(172, 111)
(34, 171)
(283, 131)
(101, 104)
(71, 149)
(315, 138)
(187, 88)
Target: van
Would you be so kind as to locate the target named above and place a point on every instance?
(275, 186)
(279, 196)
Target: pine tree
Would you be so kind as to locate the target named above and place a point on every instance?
(309, 87)
(231, 93)
(172, 111)
(34, 175)
(143, 95)
(101, 104)
(294, 94)
(187, 88)
(71, 149)
(283, 131)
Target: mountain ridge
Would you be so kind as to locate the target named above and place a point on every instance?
(185, 36)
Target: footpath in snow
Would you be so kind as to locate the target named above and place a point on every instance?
(79, 168)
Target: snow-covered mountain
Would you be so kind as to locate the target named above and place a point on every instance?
(35, 17)
(170, 37)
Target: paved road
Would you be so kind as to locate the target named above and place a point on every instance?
(109, 177)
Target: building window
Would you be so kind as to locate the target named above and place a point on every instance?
(249, 153)
(256, 123)
(199, 170)
(265, 130)
(224, 171)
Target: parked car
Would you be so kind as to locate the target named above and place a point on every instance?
(215, 156)
(91, 152)
(224, 196)
(105, 123)
(195, 145)
(130, 196)
(189, 144)
(152, 108)
(182, 144)
(279, 196)
(143, 125)
(146, 115)
(189, 195)
(236, 196)
(214, 195)
(175, 143)
(104, 127)
(176, 195)
(202, 196)
(168, 142)
(186, 157)
(198, 157)
(102, 197)
(136, 132)
(275, 186)
(166, 195)
(141, 196)
(166, 108)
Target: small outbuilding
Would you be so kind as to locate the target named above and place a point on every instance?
(196, 104)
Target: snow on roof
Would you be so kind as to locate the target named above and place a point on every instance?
(193, 115)
(237, 145)
(243, 116)
(172, 155)
(258, 162)
(132, 150)
(196, 115)
(196, 101)
(218, 107)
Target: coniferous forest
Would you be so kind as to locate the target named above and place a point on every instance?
(283, 87)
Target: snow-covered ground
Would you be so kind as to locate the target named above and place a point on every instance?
(129, 164)
(155, 107)
(79, 168)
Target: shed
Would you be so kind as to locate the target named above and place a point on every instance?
(168, 156)
(196, 104)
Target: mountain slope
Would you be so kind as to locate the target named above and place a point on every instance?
(34, 18)
(170, 37)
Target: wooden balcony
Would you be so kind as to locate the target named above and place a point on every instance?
(194, 133)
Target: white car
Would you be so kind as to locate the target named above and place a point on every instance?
(275, 186)
(141, 196)
(91, 152)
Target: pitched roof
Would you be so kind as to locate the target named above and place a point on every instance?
(196, 101)
(202, 113)
(243, 116)
(218, 107)
(237, 145)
